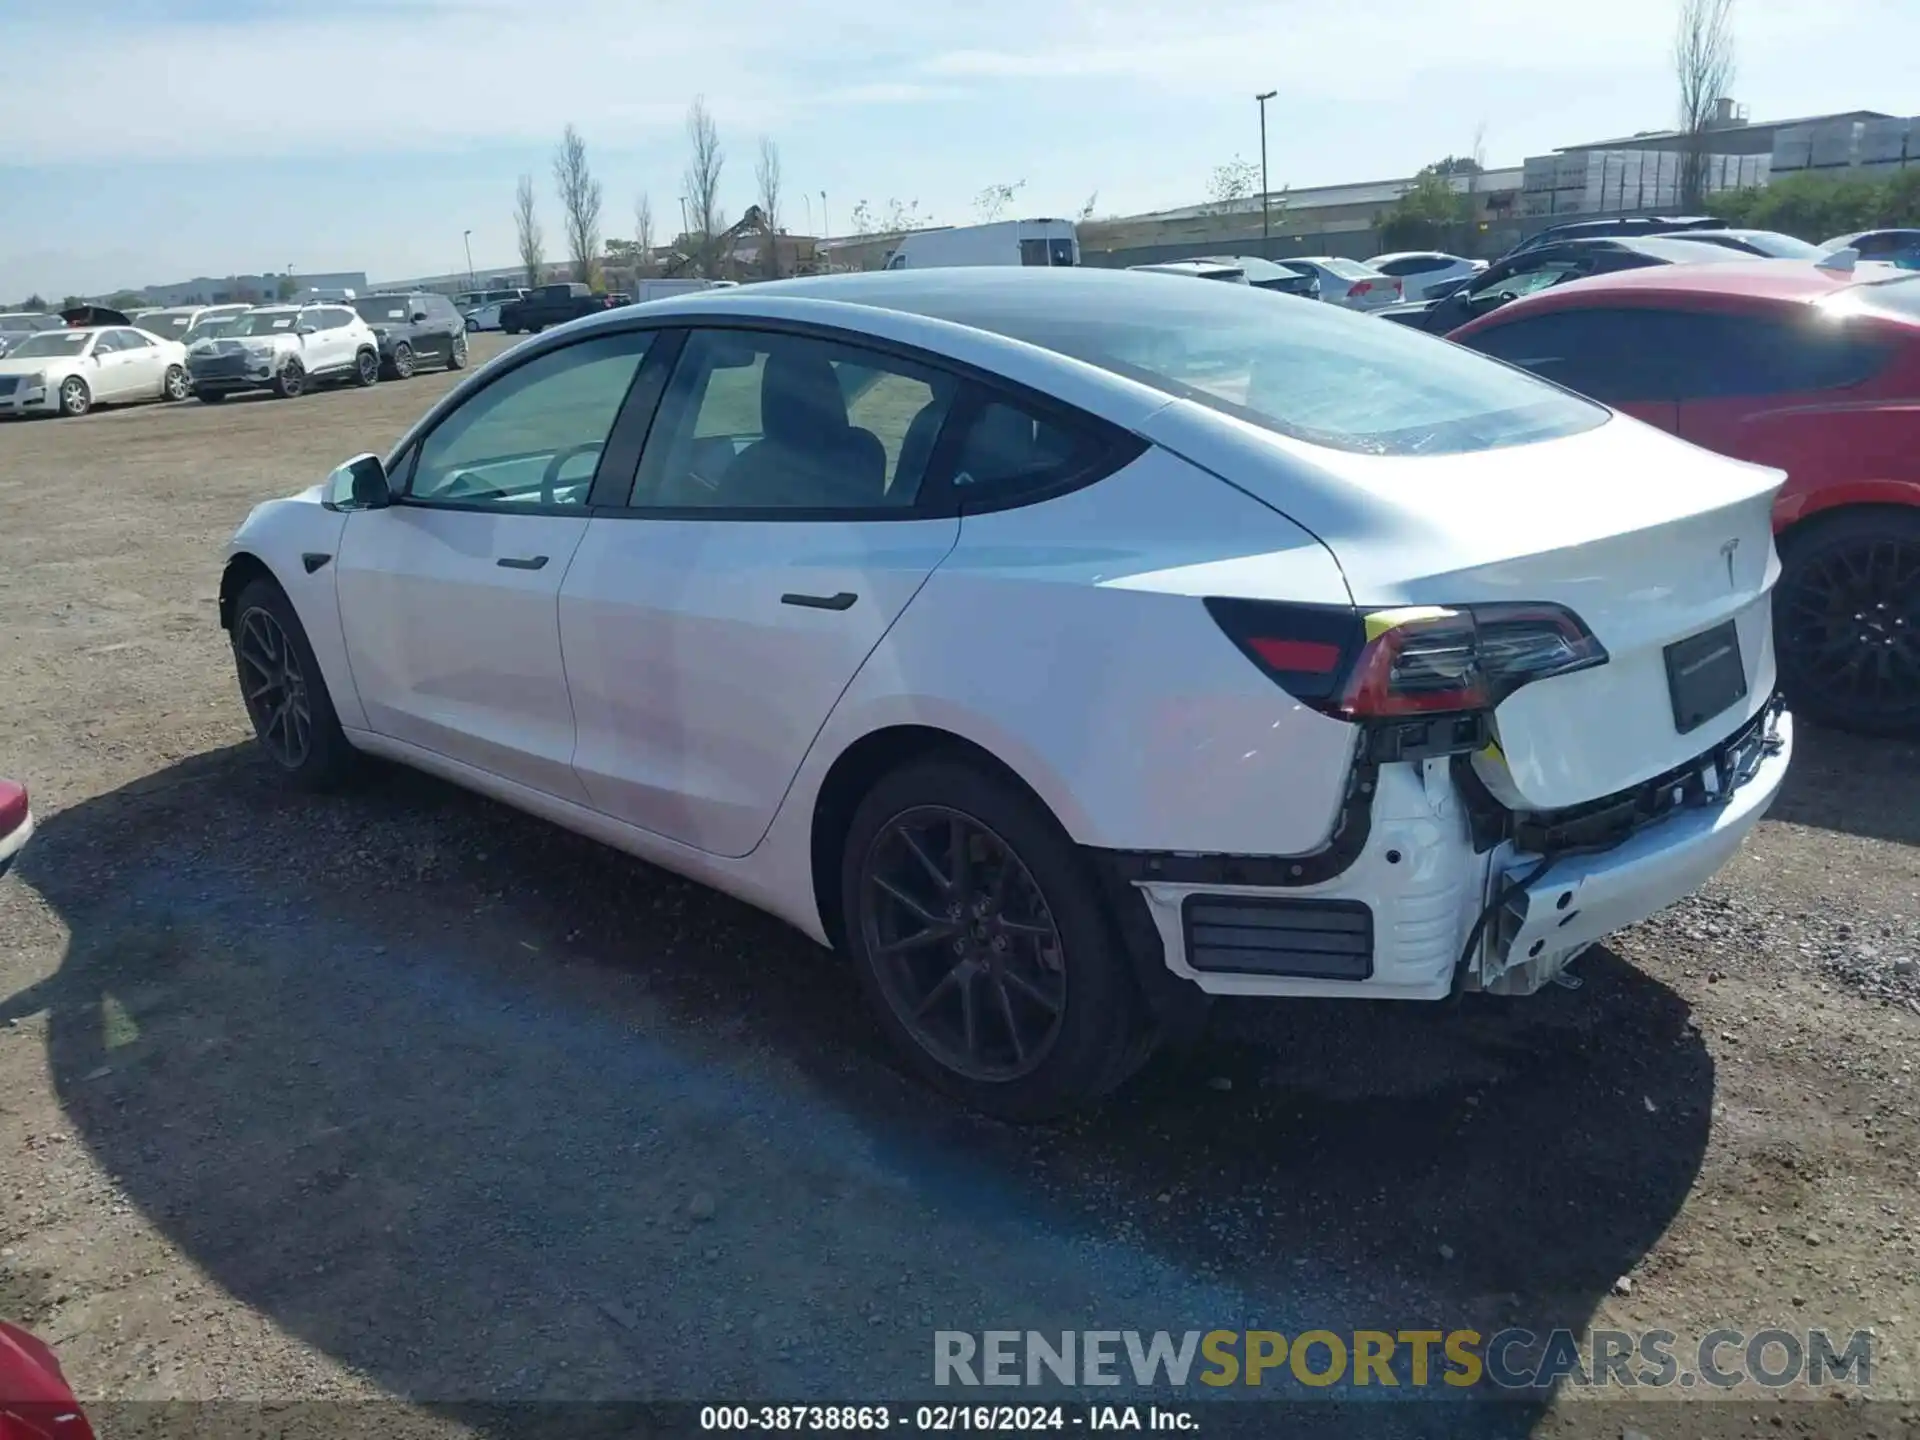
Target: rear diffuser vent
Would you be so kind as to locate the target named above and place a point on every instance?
(1256, 935)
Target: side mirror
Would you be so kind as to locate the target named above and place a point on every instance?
(360, 484)
(418, 316)
(305, 329)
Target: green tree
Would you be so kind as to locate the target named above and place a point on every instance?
(285, 289)
(1430, 215)
(34, 302)
(1818, 207)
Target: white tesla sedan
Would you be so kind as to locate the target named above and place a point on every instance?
(1066, 645)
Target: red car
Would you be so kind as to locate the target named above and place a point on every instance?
(1815, 371)
(16, 822)
(36, 1402)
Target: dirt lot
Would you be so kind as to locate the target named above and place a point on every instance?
(401, 1094)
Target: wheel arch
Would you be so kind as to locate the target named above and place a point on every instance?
(243, 567)
(854, 772)
(1794, 513)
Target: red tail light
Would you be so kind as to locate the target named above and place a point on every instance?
(1388, 664)
(1359, 288)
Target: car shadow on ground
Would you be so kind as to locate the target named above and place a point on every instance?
(450, 1094)
(1864, 787)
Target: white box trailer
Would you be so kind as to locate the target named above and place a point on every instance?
(1003, 242)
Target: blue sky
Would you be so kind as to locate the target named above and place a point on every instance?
(153, 140)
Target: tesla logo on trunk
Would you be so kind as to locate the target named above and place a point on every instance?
(1727, 552)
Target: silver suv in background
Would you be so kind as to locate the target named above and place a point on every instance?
(285, 349)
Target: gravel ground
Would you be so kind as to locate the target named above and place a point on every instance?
(401, 1094)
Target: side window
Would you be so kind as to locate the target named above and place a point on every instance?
(132, 340)
(107, 342)
(534, 436)
(1006, 452)
(1756, 355)
(1033, 252)
(756, 421)
(1615, 356)
(336, 319)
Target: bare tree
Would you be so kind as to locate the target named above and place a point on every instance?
(1086, 210)
(526, 225)
(702, 183)
(992, 202)
(579, 205)
(1703, 64)
(642, 233)
(766, 178)
(1236, 180)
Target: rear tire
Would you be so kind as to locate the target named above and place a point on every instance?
(1025, 1022)
(291, 381)
(175, 387)
(457, 356)
(284, 692)
(1847, 619)
(366, 368)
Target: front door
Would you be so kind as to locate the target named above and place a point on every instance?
(146, 365)
(449, 598)
(112, 377)
(772, 537)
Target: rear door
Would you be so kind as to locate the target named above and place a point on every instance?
(774, 532)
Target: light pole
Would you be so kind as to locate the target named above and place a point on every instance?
(1266, 224)
(826, 228)
(467, 239)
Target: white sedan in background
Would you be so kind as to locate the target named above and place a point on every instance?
(1421, 272)
(68, 372)
(485, 317)
(1067, 646)
(1350, 284)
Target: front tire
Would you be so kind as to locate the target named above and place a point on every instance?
(457, 356)
(366, 368)
(176, 386)
(284, 692)
(1847, 620)
(75, 398)
(401, 366)
(291, 381)
(982, 943)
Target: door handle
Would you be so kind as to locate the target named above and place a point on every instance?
(843, 601)
(522, 562)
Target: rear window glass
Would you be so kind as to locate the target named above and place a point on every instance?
(1313, 372)
(171, 323)
(1899, 299)
(1351, 269)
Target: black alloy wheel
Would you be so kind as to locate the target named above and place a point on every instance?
(968, 955)
(274, 685)
(1847, 621)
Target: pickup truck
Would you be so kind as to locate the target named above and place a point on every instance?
(550, 305)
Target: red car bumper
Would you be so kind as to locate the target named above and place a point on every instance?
(16, 822)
